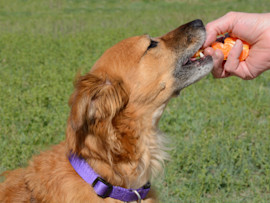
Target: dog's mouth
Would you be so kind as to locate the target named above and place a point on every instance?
(191, 69)
(196, 61)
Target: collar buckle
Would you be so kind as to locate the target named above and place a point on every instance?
(102, 187)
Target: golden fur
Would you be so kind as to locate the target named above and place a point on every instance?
(113, 121)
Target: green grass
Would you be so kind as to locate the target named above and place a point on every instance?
(220, 129)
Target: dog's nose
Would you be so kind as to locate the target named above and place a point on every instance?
(197, 23)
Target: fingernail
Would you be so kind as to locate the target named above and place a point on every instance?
(238, 43)
(207, 51)
(216, 54)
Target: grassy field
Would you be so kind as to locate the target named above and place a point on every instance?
(219, 129)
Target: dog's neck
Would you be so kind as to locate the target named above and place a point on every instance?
(134, 174)
(131, 155)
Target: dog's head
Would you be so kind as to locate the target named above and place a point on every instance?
(125, 93)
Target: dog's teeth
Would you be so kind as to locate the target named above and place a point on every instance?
(201, 55)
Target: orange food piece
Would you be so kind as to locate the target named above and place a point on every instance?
(226, 47)
(197, 54)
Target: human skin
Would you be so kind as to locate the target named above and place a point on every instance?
(253, 28)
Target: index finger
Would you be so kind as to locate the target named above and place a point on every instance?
(220, 26)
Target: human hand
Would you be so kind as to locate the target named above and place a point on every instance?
(250, 27)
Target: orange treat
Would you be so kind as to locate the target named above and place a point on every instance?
(226, 47)
(245, 50)
(197, 54)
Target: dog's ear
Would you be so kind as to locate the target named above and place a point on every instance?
(96, 99)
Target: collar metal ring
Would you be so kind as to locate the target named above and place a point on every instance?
(138, 195)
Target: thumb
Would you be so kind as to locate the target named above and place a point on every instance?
(232, 62)
(234, 66)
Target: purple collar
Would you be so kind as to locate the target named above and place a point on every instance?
(102, 187)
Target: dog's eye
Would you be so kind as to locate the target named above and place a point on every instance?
(153, 44)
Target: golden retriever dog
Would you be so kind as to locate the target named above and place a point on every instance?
(113, 146)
